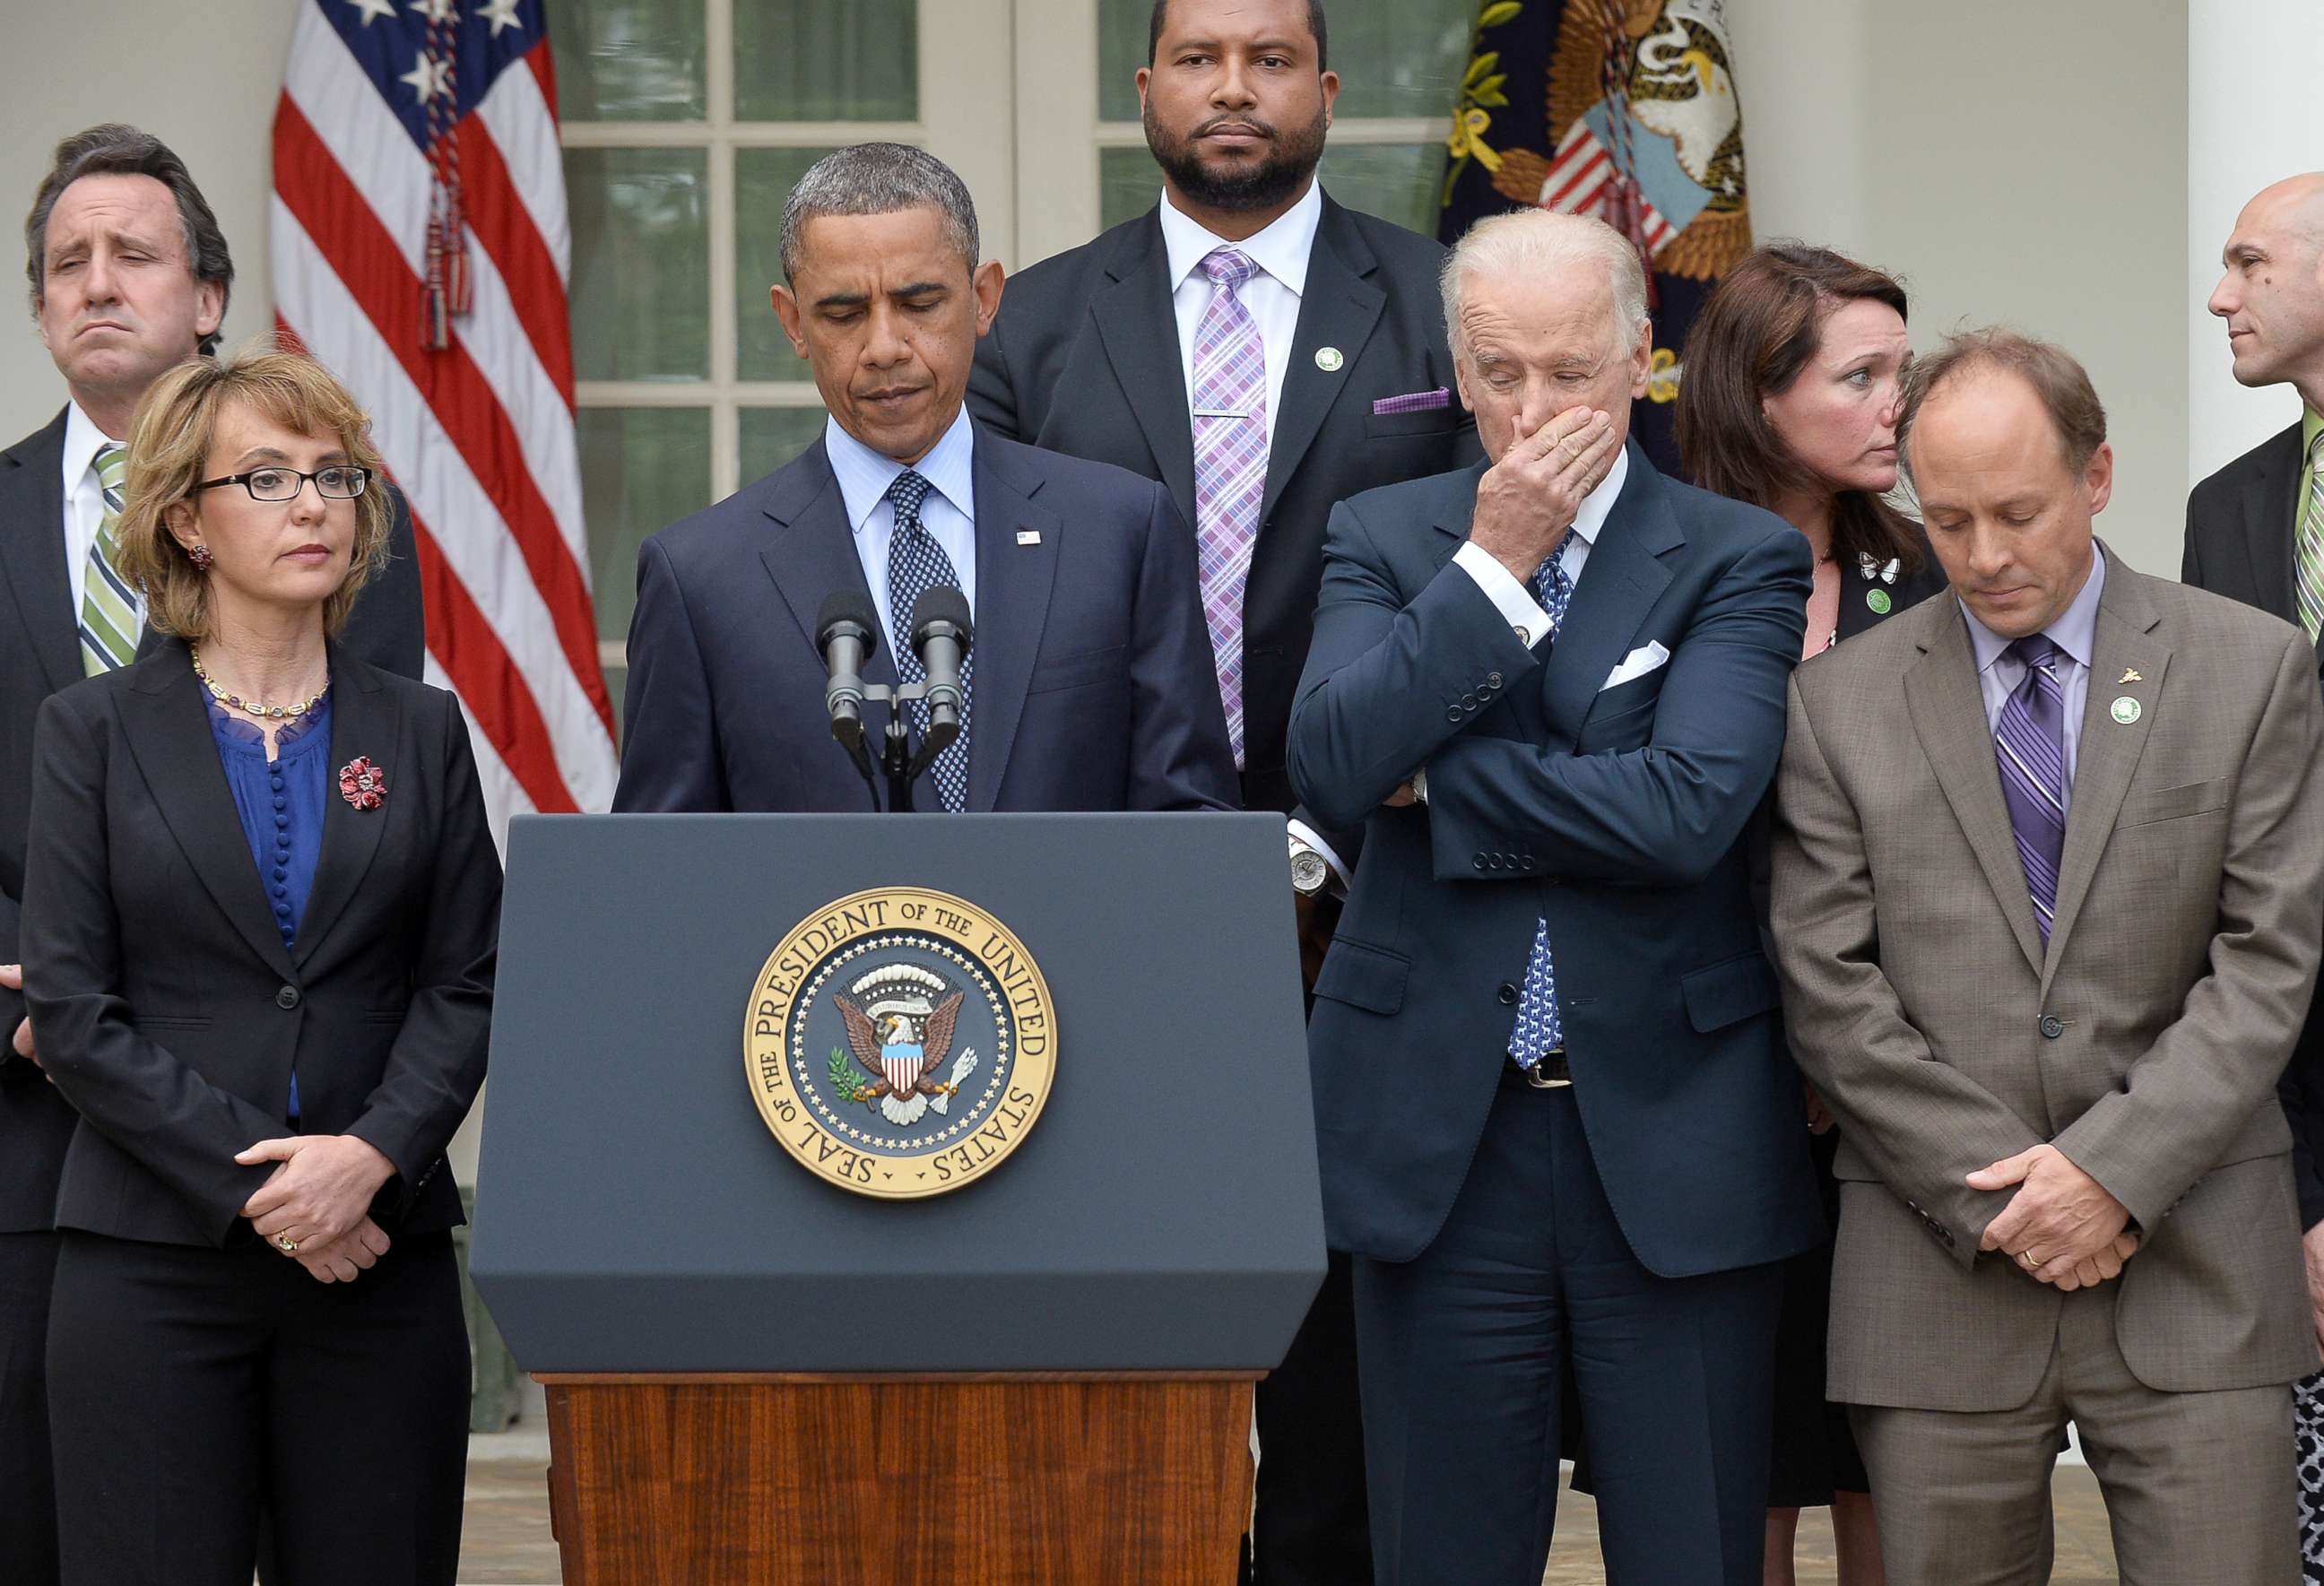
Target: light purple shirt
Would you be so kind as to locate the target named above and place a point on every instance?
(2075, 633)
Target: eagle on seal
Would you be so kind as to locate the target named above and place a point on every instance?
(902, 1070)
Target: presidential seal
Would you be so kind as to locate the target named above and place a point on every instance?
(900, 1043)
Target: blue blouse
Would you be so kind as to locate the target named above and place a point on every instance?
(281, 804)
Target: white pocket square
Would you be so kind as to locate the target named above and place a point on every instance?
(1635, 665)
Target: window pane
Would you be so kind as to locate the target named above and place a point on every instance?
(1394, 57)
(642, 470)
(628, 60)
(772, 437)
(764, 178)
(641, 290)
(1396, 181)
(813, 61)
(1128, 183)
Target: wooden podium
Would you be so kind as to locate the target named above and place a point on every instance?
(939, 1480)
(756, 1378)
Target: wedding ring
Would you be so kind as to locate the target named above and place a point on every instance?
(2029, 1259)
(286, 1244)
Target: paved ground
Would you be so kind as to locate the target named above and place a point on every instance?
(507, 1541)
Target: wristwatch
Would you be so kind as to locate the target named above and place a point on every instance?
(1310, 872)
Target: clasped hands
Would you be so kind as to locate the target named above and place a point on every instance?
(313, 1207)
(2062, 1227)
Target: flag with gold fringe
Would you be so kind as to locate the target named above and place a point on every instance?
(1623, 109)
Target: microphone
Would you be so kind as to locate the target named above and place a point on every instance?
(940, 638)
(847, 631)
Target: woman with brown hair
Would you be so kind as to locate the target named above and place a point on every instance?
(261, 906)
(1792, 373)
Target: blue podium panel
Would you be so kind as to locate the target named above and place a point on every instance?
(635, 1213)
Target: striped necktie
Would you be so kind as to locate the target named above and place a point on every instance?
(1540, 1030)
(2308, 576)
(2030, 743)
(1230, 466)
(108, 608)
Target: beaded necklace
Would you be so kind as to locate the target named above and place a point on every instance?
(234, 702)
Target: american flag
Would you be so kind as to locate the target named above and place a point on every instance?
(421, 252)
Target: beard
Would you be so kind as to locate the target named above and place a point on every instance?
(1286, 166)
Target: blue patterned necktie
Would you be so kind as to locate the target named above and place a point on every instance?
(1539, 1031)
(915, 564)
(2030, 745)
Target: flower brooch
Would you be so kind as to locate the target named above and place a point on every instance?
(362, 784)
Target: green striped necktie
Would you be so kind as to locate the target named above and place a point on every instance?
(2309, 574)
(109, 610)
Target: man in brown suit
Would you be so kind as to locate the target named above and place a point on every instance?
(2048, 879)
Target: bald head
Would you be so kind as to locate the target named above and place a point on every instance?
(2271, 295)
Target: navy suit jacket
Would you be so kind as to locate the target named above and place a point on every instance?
(1094, 688)
(1614, 814)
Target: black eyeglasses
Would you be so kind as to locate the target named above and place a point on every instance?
(339, 481)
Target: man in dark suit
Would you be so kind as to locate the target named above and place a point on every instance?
(1088, 674)
(2255, 533)
(130, 275)
(1123, 350)
(1557, 1124)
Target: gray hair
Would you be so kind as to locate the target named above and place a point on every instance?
(1529, 242)
(879, 178)
(115, 149)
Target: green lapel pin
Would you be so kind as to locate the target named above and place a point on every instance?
(1877, 599)
(2126, 710)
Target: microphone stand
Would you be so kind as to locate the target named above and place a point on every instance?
(896, 744)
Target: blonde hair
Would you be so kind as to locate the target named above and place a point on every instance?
(168, 454)
(1529, 242)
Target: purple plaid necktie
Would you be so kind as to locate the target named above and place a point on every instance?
(1229, 466)
(915, 564)
(1539, 1030)
(2030, 745)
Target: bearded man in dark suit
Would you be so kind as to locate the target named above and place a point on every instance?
(1263, 352)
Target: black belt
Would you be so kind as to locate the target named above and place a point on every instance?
(1552, 1073)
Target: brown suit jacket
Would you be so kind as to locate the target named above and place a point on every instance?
(2144, 1043)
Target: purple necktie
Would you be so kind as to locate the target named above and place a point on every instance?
(2030, 743)
(1230, 466)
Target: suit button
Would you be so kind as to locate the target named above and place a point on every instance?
(2053, 1026)
(1493, 679)
(1505, 994)
(1469, 701)
(288, 996)
(1479, 861)
(1453, 715)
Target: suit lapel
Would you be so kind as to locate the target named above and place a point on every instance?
(168, 727)
(812, 552)
(2271, 520)
(365, 722)
(32, 552)
(1619, 584)
(1140, 328)
(1948, 711)
(1013, 582)
(2108, 750)
(1338, 308)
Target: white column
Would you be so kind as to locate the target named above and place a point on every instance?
(2252, 118)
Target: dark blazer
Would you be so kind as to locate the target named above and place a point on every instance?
(1085, 359)
(1613, 813)
(2240, 524)
(40, 653)
(168, 1012)
(1093, 689)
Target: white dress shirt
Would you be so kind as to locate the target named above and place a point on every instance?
(1271, 297)
(1512, 599)
(2076, 635)
(84, 503)
(949, 512)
